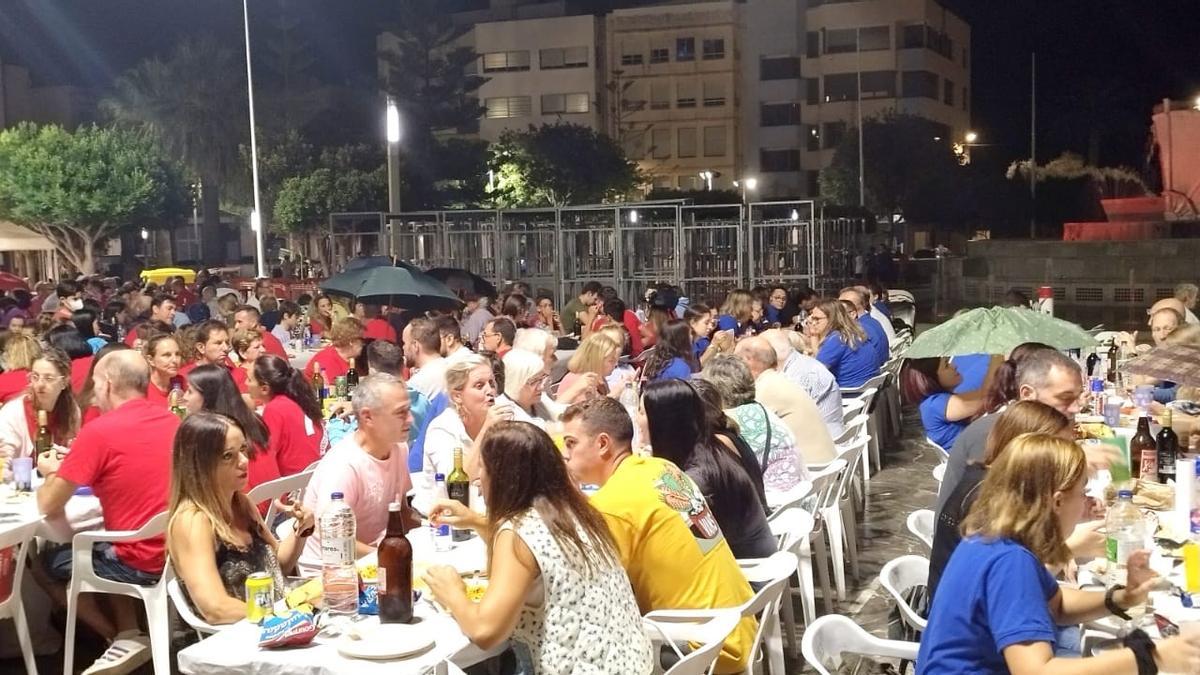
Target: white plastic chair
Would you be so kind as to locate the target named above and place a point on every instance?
(779, 501)
(19, 539)
(793, 528)
(921, 523)
(707, 630)
(857, 428)
(831, 636)
(868, 392)
(773, 573)
(851, 408)
(943, 454)
(838, 515)
(447, 668)
(825, 481)
(901, 575)
(272, 490)
(85, 580)
(939, 472)
(191, 618)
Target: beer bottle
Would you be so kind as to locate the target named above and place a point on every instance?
(458, 487)
(1112, 367)
(351, 377)
(1168, 448)
(44, 442)
(395, 570)
(175, 401)
(1143, 452)
(318, 383)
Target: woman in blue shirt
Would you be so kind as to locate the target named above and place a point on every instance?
(736, 313)
(700, 319)
(929, 384)
(671, 357)
(997, 605)
(838, 341)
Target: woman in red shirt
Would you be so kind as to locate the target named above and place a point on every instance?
(291, 412)
(212, 388)
(210, 346)
(248, 345)
(322, 315)
(347, 338)
(162, 353)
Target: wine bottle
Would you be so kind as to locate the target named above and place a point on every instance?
(44, 442)
(458, 487)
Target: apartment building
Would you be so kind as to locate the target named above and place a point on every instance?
(21, 101)
(673, 102)
(865, 57)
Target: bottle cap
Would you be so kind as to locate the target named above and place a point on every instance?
(395, 506)
(1125, 494)
(439, 477)
(337, 495)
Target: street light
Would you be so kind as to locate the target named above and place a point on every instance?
(633, 217)
(707, 177)
(392, 118)
(255, 218)
(972, 137)
(745, 184)
(1197, 106)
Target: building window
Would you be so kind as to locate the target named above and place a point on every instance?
(841, 40)
(948, 92)
(812, 90)
(563, 57)
(714, 141)
(499, 62)
(567, 104)
(879, 84)
(502, 107)
(685, 49)
(714, 94)
(660, 96)
(779, 114)
(812, 44)
(875, 38)
(689, 182)
(778, 68)
(832, 134)
(664, 182)
(778, 161)
(842, 87)
(812, 136)
(685, 94)
(631, 59)
(685, 142)
(660, 55)
(634, 143)
(913, 36)
(917, 36)
(660, 143)
(714, 49)
(919, 84)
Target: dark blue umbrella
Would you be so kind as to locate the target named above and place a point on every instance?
(400, 285)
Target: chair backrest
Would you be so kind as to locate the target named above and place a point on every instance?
(786, 500)
(191, 618)
(900, 576)
(18, 539)
(921, 523)
(939, 472)
(773, 573)
(790, 526)
(873, 383)
(944, 454)
(852, 407)
(832, 635)
(853, 455)
(855, 426)
(708, 632)
(825, 483)
(272, 490)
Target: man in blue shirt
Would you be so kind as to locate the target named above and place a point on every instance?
(859, 303)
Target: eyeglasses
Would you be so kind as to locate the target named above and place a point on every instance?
(34, 378)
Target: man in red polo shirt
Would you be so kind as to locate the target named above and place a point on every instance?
(246, 318)
(375, 327)
(125, 457)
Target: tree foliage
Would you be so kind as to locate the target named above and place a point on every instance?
(79, 189)
(348, 178)
(558, 165)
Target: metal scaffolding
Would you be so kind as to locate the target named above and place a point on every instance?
(707, 250)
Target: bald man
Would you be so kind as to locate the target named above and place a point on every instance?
(787, 400)
(1168, 303)
(125, 457)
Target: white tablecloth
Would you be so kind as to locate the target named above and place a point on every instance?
(299, 358)
(81, 513)
(236, 648)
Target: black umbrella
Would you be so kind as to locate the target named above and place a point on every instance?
(366, 261)
(401, 285)
(463, 281)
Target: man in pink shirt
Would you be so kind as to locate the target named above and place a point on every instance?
(369, 468)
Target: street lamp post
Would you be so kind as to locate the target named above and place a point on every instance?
(747, 185)
(256, 215)
(392, 122)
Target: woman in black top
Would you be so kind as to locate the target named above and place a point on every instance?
(677, 423)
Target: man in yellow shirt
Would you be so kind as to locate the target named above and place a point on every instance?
(668, 539)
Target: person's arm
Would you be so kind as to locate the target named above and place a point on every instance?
(288, 551)
(55, 492)
(513, 573)
(963, 407)
(190, 542)
(1072, 606)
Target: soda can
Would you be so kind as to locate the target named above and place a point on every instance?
(260, 597)
(340, 386)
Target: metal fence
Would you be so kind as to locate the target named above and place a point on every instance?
(706, 249)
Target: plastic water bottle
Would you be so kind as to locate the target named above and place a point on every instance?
(441, 533)
(1126, 533)
(339, 576)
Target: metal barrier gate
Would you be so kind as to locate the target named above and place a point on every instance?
(782, 243)
(529, 248)
(712, 250)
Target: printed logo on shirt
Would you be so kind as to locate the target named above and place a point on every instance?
(678, 491)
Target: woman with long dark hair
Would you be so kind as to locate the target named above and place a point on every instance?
(673, 355)
(700, 319)
(212, 389)
(553, 564)
(215, 537)
(86, 321)
(64, 337)
(49, 391)
(674, 417)
(321, 316)
(291, 412)
(929, 384)
(1004, 381)
(838, 341)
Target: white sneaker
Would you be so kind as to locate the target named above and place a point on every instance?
(130, 650)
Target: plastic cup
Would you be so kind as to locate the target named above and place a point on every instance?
(22, 468)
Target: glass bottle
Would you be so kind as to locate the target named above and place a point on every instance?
(395, 570)
(458, 487)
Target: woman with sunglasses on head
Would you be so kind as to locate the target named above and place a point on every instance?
(215, 536)
(212, 389)
(49, 391)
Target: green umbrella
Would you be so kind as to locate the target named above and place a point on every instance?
(402, 285)
(996, 330)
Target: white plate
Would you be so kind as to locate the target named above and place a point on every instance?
(387, 641)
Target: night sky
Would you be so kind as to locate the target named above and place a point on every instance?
(1102, 64)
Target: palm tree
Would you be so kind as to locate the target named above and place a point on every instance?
(193, 104)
